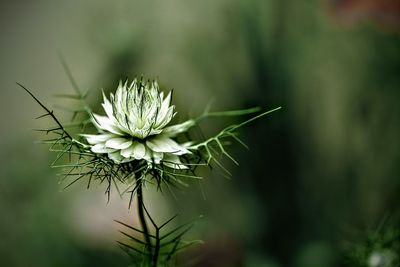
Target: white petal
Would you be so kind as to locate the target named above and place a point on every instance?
(94, 139)
(165, 113)
(165, 144)
(162, 121)
(117, 157)
(174, 162)
(104, 123)
(157, 157)
(161, 95)
(147, 155)
(107, 107)
(187, 144)
(118, 143)
(154, 132)
(136, 150)
(101, 148)
(142, 133)
(176, 129)
(165, 104)
(139, 151)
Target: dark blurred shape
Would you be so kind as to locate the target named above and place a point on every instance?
(385, 13)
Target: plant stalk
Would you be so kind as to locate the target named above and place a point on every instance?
(142, 219)
(156, 248)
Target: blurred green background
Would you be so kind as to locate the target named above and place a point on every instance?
(325, 166)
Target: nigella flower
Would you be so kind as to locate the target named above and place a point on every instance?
(135, 126)
(134, 137)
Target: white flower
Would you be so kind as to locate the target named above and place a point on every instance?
(134, 127)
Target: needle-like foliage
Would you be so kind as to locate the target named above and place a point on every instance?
(78, 161)
(126, 158)
(163, 244)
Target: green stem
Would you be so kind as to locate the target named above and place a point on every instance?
(142, 218)
(157, 248)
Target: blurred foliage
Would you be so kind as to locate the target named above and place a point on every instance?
(377, 247)
(328, 162)
(35, 216)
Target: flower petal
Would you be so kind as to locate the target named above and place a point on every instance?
(165, 144)
(174, 162)
(117, 157)
(107, 107)
(139, 151)
(166, 112)
(118, 143)
(147, 156)
(101, 148)
(176, 129)
(157, 157)
(165, 104)
(163, 121)
(136, 150)
(94, 139)
(104, 123)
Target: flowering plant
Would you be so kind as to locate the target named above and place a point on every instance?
(134, 145)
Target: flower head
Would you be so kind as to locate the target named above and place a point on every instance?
(134, 127)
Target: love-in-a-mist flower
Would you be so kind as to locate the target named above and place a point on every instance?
(134, 145)
(135, 126)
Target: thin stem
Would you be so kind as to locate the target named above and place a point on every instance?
(154, 259)
(142, 211)
(142, 218)
(157, 248)
(49, 112)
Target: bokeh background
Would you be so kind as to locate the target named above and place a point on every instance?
(320, 173)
